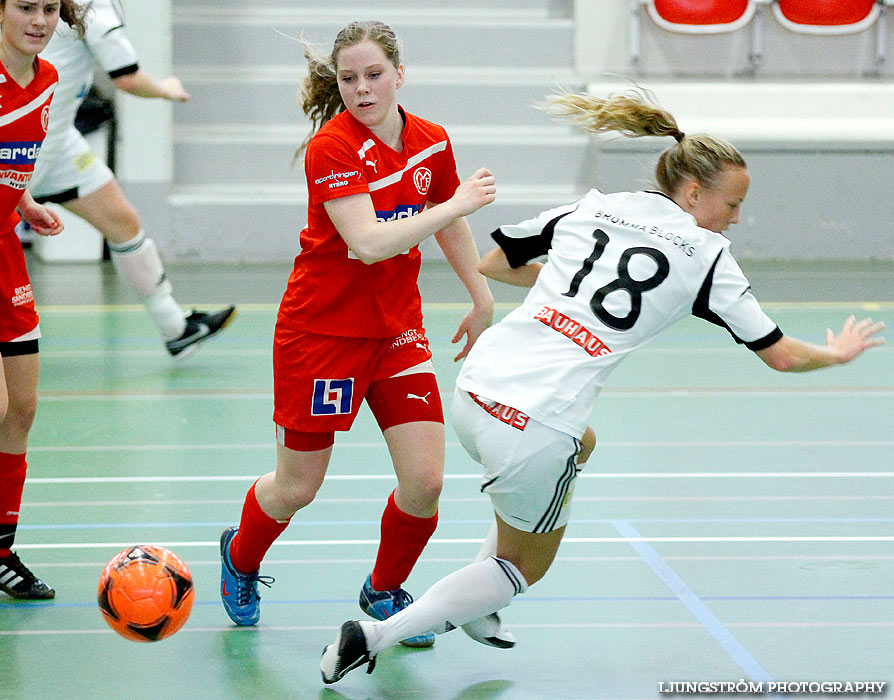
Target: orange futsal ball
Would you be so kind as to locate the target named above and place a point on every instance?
(146, 593)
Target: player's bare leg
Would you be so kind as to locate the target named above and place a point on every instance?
(410, 518)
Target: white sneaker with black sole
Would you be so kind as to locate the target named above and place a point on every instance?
(489, 630)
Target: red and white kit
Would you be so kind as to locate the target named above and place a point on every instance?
(343, 324)
(24, 117)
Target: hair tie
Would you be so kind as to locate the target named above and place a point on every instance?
(678, 135)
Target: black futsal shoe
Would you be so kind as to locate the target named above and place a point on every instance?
(17, 580)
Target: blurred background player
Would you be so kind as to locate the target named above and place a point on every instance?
(26, 89)
(380, 181)
(621, 268)
(68, 173)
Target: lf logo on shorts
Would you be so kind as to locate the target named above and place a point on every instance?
(332, 397)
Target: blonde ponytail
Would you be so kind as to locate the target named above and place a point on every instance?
(636, 113)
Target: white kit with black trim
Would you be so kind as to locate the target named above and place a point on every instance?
(620, 268)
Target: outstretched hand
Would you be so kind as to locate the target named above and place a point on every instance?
(173, 89)
(855, 337)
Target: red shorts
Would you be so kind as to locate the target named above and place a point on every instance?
(319, 381)
(18, 317)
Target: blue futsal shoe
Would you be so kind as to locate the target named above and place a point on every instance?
(383, 604)
(238, 591)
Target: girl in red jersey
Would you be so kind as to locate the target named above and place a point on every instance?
(26, 89)
(380, 181)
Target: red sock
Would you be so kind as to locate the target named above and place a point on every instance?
(12, 481)
(257, 531)
(404, 536)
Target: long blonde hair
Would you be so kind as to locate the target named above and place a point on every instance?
(319, 97)
(636, 113)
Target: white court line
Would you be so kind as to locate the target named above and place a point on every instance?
(819, 559)
(541, 626)
(455, 444)
(383, 477)
(245, 349)
(68, 353)
(450, 541)
(149, 350)
(255, 307)
(471, 499)
(616, 392)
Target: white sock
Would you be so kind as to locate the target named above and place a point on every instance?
(467, 594)
(138, 262)
(489, 625)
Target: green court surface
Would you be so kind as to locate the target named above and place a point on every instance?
(734, 523)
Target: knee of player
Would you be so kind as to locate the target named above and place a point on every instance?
(122, 226)
(531, 557)
(423, 486)
(295, 496)
(532, 572)
(20, 414)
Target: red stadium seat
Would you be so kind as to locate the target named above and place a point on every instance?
(827, 16)
(701, 16)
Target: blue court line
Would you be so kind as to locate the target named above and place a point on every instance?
(476, 521)
(695, 605)
(520, 601)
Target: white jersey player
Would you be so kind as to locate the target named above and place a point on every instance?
(75, 59)
(68, 173)
(619, 269)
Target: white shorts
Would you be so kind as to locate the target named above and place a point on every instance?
(529, 468)
(68, 171)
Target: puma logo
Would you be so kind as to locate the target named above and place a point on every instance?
(421, 398)
(373, 164)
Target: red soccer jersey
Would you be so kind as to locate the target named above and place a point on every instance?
(23, 124)
(24, 115)
(330, 291)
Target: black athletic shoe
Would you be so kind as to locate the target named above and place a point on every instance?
(347, 653)
(17, 580)
(200, 326)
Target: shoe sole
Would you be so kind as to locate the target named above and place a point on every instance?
(28, 596)
(426, 644)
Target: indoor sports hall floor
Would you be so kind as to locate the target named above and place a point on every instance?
(733, 523)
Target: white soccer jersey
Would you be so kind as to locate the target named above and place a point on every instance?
(620, 268)
(76, 59)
